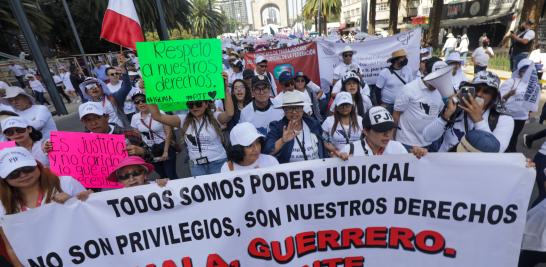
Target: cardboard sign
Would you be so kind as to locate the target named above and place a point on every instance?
(179, 71)
(88, 157)
(7, 144)
(393, 210)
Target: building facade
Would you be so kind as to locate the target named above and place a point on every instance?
(234, 9)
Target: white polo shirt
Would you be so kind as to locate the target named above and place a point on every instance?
(260, 119)
(390, 84)
(392, 148)
(419, 107)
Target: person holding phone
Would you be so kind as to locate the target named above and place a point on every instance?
(463, 114)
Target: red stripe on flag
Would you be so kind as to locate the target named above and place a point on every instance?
(121, 30)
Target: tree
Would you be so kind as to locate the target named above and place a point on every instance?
(532, 9)
(371, 17)
(393, 16)
(207, 22)
(39, 22)
(329, 8)
(435, 17)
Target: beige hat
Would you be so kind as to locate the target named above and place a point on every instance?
(293, 98)
(398, 53)
(347, 49)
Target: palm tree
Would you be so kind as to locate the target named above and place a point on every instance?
(393, 16)
(435, 16)
(371, 17)
(328, 8)
(40, 23)
(207, 22)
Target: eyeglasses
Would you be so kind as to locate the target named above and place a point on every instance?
(262, 65)
(140, 101)
(128, 175)
(16, 173)
(114, 74)
(348, 55)
(293, 109)
(193, 104)
(261, 89)
(300, 80)
(12, 131)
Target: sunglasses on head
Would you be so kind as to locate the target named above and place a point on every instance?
(12, 131)
(129, 175)
(140, 101)
(16, 173)
(196, 104)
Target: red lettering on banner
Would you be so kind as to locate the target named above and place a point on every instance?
(401, 236)
(357, 261)
(376, 237)
(214, 260)
(276, 249)
(305, 243)
(327, 238)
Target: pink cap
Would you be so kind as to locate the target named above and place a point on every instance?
(128, 161)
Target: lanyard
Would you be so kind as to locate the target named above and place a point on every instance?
(149, 126)
(363, 143)
(345, 134)
(197, 136)
(103, 101)
(38, 202)
(302, 143)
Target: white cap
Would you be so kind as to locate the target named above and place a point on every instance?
(347, 49)
(90, 108)
(14, 91)
(438, 65)
(293, 98)
(343, 98)
(454, 57)
(244, 134)
(260, 59)
(14, 122)
(13, 158)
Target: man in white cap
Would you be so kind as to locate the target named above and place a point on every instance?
(346, 65)
(38, 116)
(116, 84)
(95, 120)
(418, 105)
(261, 69)
(449, 45)
(456, 62)
(261, 111)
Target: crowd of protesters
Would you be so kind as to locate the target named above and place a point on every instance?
(259, 124)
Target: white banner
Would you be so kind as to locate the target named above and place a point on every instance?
(442, 210)
(371, 55)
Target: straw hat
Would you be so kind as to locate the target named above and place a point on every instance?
(398, 53)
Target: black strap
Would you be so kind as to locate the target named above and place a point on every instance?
(302, 143)
(465, 117)
(396, 74)
(345, 134)
(271, 83)
(363, 144)
(351, 149)
(197, 136)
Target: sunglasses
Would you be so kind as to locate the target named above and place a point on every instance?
(347, 55)
(196, 104)
(129, 175)
(12, 131)
(300, 80)
(293, 109)
(16, 173)
(140, 101)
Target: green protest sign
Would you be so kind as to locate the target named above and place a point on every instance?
(179, 71)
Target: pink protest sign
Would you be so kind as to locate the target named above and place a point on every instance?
(7, 144)
(88, 157)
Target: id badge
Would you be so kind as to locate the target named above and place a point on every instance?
(202, 161)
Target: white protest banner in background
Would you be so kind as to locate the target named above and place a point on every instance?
(442, 210)
(371, 55)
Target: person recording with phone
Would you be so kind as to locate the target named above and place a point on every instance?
(474, 107)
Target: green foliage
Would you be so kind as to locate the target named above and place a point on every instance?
(329, 9)
(501, 61)
(41, 24)
(206, 22)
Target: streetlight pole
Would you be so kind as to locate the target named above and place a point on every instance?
(364, 16)
(41, 63)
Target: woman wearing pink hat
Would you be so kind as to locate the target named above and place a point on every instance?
(133, 171)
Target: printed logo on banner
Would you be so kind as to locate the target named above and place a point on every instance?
(405, 37)
(282, 68)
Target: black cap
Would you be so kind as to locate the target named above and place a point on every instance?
(259, 79)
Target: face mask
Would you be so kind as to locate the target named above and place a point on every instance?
(404, 62)
(479, 100)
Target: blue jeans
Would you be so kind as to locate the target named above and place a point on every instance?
(40, 97)
(167, 168)
(515, 59)
(540, 162)
(209, 168)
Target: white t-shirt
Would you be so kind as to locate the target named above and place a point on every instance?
(263, 161)
(36, 86)
(529, 35)
(457, 79)
(57, 79)
(482, 58)
(309, 141)
(342, 68)
(39, 117)
(68, 184)
(390, 84)
(17, 70)
(156, 135)
(338, 139)
(66, 81)
(260, 119)
(392, 148)
(38, 153)
(514, 104)
(277, 101)
(419, 107)
(128, 106)
(210, 141)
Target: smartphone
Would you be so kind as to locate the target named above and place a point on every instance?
(466, 91)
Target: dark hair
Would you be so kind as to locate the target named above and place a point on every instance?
(236, 153)
(337, 119)
(35, 135)
(107, 69)
(357, 98)
(248, 94)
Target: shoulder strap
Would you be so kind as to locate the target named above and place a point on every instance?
(396, 74)
(351, 149)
